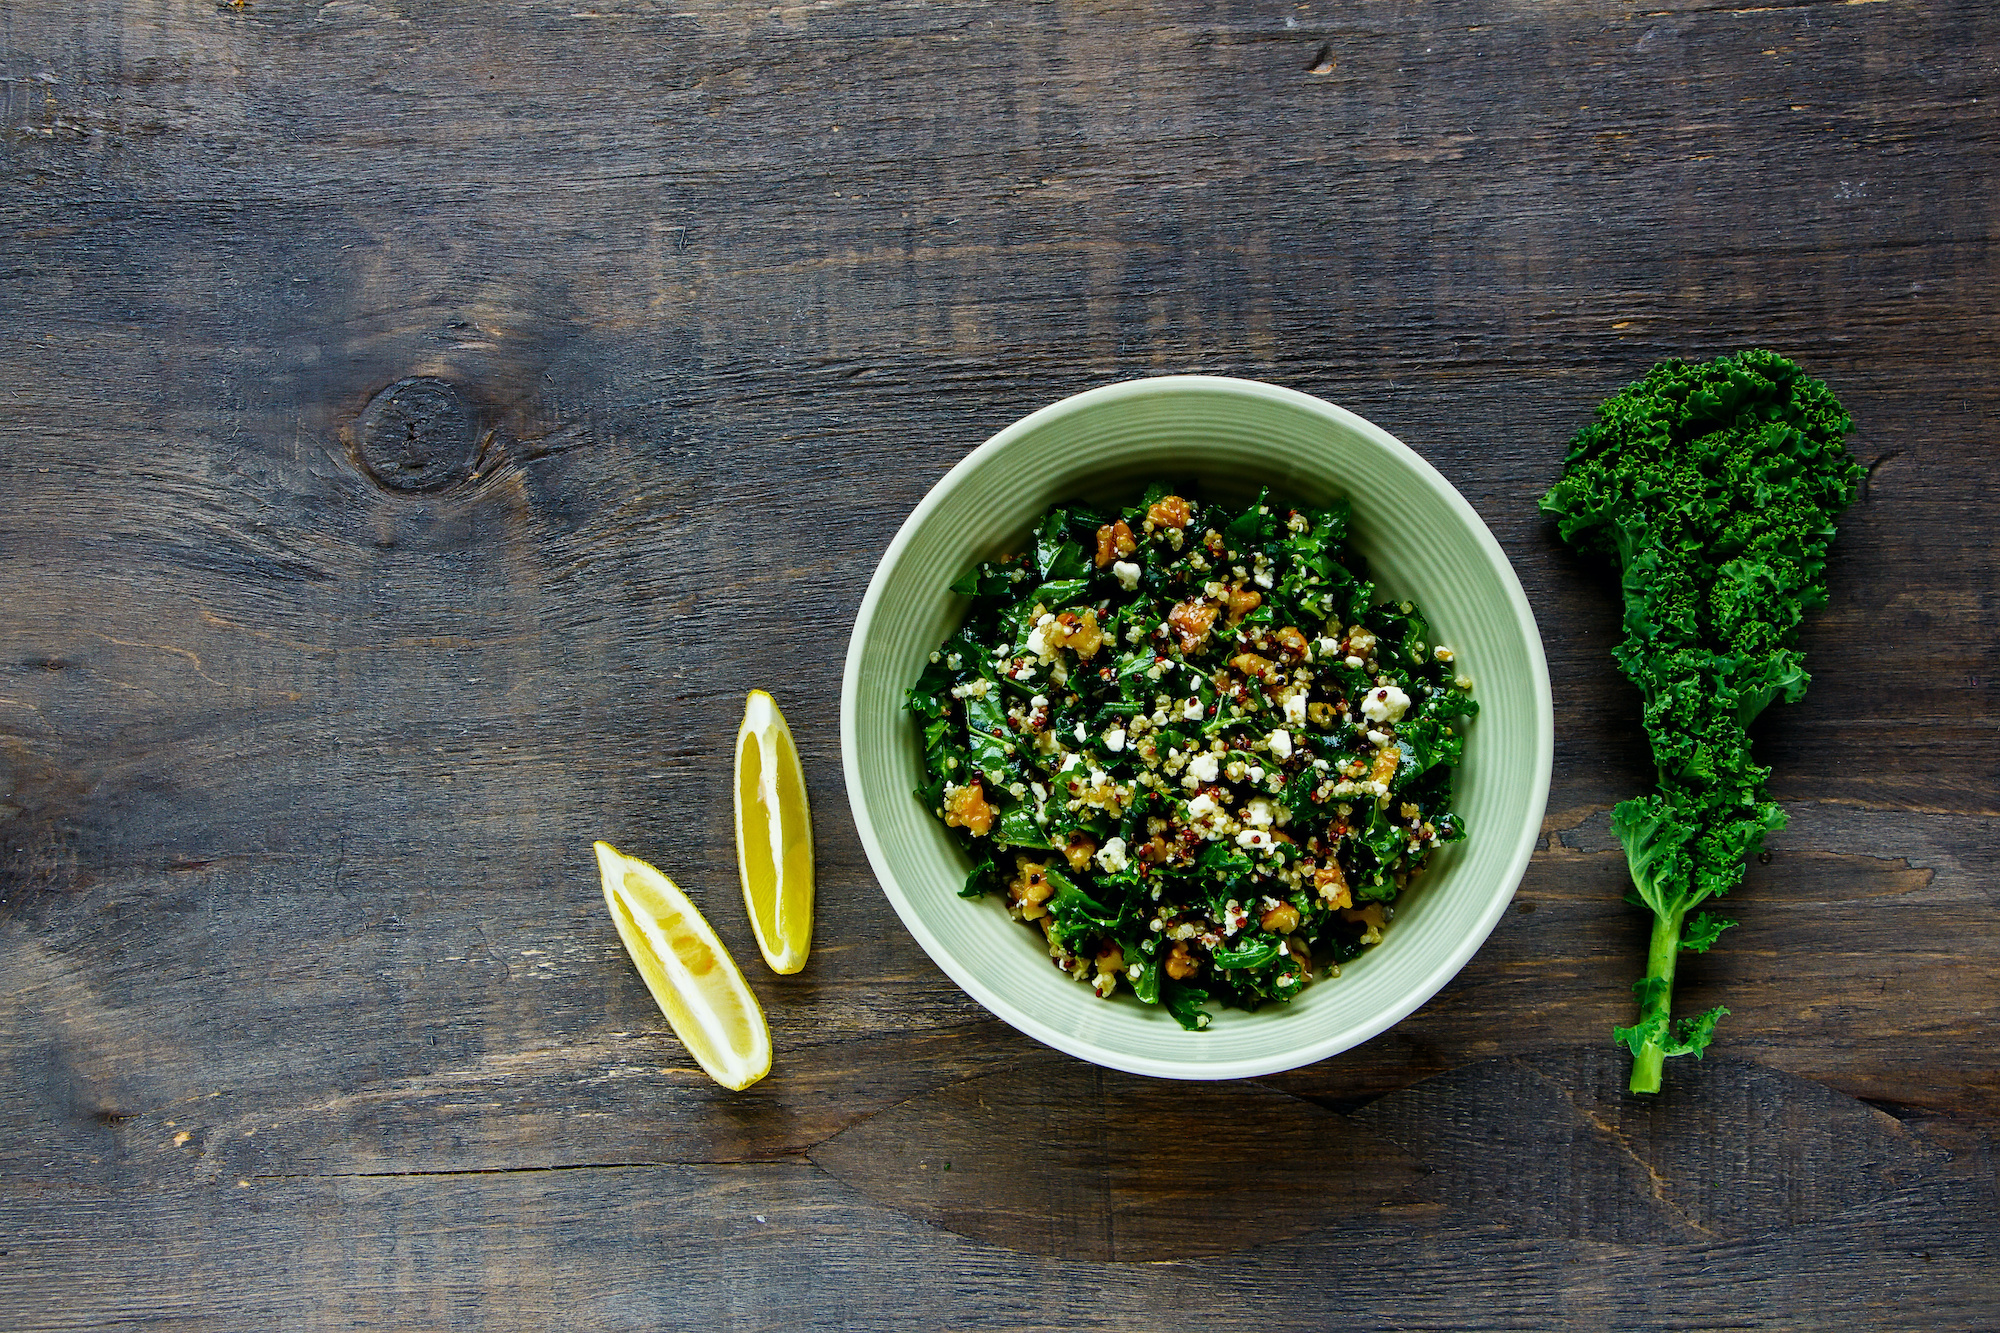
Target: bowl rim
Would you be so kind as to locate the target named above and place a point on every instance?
(1016, 1016)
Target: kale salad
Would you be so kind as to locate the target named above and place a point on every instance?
(1184, 743)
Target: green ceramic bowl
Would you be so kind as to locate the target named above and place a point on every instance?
(1422, 541)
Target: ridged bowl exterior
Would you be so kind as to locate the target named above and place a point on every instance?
(1422, 541)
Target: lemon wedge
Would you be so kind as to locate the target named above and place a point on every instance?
(691, 975)
(774, 835)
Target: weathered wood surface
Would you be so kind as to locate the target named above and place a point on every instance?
(309, 1014)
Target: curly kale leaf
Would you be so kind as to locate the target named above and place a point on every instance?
(1656, 850)
(1686, 1036)
(1713, 488)
(1702, 930)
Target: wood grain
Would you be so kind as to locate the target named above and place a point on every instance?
(1081, 1163)
(299, 767)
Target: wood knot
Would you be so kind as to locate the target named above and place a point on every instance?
(417, 435)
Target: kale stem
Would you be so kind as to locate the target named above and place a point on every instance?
(1660, 959)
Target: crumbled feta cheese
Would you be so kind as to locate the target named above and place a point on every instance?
(1039, 701)
(1204, 767)
(1038, 645)
(1442, 653)
(1193, 712)
(1378, 738)
(1201, 806)
(1263, 578)
(1280, 743)
(1135, 971)
(1112, 856)
(1354, 663)
(1070, 761)
(1127, 574)
(1041, 792)
(1251, 837)
(1295, 707)
(1256, 772)
(1260, 813)
(1159, 717)
(1114, 739)
(1387, 704)
(1081, 734)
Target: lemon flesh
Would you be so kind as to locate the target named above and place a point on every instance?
(774, 835)
(690, 973)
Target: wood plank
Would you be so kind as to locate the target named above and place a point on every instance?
(1893, 1241)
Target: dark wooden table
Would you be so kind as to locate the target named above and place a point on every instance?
(311, 1016)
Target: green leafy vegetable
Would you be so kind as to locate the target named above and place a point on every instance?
(1715, 488)
(1185, 1004)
